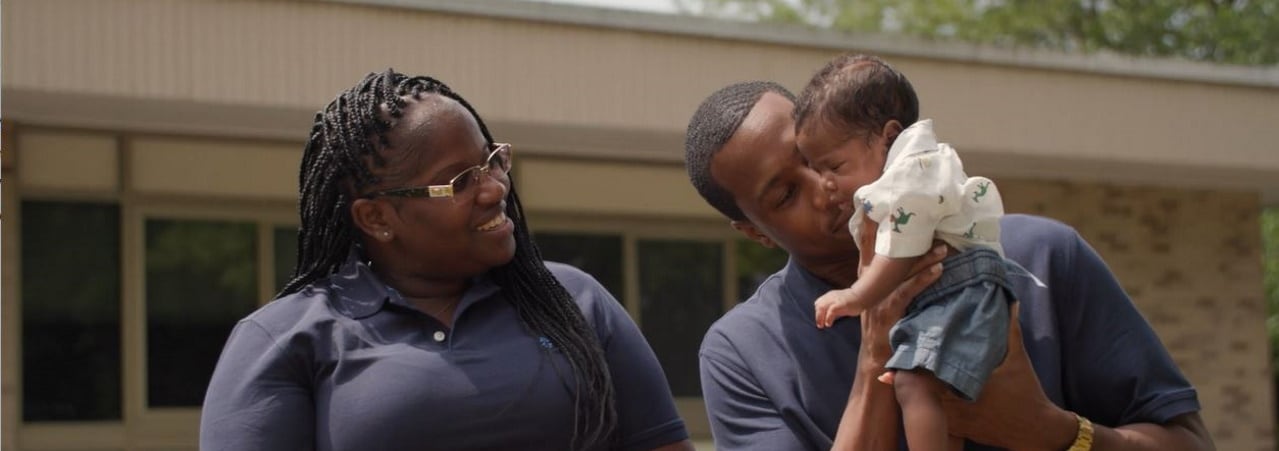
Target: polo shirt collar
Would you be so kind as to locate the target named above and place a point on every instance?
(802, 287)
(358, 292)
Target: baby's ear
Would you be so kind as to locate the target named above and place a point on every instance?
(747, 228)
(891, 129)
(886, 136)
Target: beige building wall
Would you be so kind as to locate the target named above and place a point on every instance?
(547, 75)
(1162, 166)
(1190, 259)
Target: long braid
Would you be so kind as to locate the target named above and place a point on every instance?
(336, 161)
(334, 154)
(547, 308)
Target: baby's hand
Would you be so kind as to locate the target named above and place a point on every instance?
(834, 305)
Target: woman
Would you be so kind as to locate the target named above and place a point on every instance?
(421, 315)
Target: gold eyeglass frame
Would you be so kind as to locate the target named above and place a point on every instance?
(436, 191)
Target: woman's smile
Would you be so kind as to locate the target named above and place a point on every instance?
(494, 224)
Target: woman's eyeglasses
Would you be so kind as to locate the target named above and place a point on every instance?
(499, 161)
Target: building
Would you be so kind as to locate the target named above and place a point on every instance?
(152, 146)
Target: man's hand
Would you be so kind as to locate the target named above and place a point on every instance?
(866, 243)
(880, 318)
(1012, 411)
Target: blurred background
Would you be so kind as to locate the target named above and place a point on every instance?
(151, 150)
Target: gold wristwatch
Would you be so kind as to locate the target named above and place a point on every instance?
(1083, 439)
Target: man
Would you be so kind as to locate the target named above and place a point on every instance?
(1089, 372)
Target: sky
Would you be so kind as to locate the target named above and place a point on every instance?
(660, 6)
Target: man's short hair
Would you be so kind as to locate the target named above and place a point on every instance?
(715, 121)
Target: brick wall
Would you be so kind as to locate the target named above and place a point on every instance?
(1191, 260)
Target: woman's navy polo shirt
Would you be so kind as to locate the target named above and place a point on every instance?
(347, 364)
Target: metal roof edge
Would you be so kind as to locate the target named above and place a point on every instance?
(1104, 63)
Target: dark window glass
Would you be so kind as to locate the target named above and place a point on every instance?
(754, 264)
(70, 311)
(201, 279)
(286, 255)
(598, 255)
(681, 294)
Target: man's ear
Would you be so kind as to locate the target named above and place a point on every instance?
(372, 219)
(748, 228)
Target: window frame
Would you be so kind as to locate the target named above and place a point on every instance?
(632, 230)
(139, 426)
(158, 421)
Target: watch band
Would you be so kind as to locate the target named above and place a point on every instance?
(1083, 439)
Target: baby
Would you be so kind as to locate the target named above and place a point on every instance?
(856, 121)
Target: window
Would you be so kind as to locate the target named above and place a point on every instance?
(681, 294)
(125, 297)
(598, 255)
(286, 255)
(70, 311)
(754, 264)
(201, 277)
(679, 282)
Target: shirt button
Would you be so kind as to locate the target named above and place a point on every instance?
(439, 336)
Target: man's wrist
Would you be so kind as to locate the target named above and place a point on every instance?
(1083, 436)
(868, 365)
(1061, 428)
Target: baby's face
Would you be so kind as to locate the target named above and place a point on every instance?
(845, 163)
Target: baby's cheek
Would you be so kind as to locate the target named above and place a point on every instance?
(845, 186)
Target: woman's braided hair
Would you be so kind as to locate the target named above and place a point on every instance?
(337, 164)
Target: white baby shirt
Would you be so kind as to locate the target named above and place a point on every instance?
(924, 193)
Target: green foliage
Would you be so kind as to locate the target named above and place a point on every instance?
(1224, 31)
(200, 271)
(755, 259)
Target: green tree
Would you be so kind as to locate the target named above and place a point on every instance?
(1222, 31)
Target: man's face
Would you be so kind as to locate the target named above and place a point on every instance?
(782, 198)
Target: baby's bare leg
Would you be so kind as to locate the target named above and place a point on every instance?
(919, 393)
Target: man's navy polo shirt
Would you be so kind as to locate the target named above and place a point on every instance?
(347, 364)
(773, 381)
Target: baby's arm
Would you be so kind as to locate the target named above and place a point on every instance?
(878, 279)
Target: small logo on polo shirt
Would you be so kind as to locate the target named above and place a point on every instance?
(545, 342)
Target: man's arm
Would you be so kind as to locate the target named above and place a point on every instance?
(1119, 376)
(1014, 413)
(740, 413)
(1183, 433)
(1124, 377)
(870, 420)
